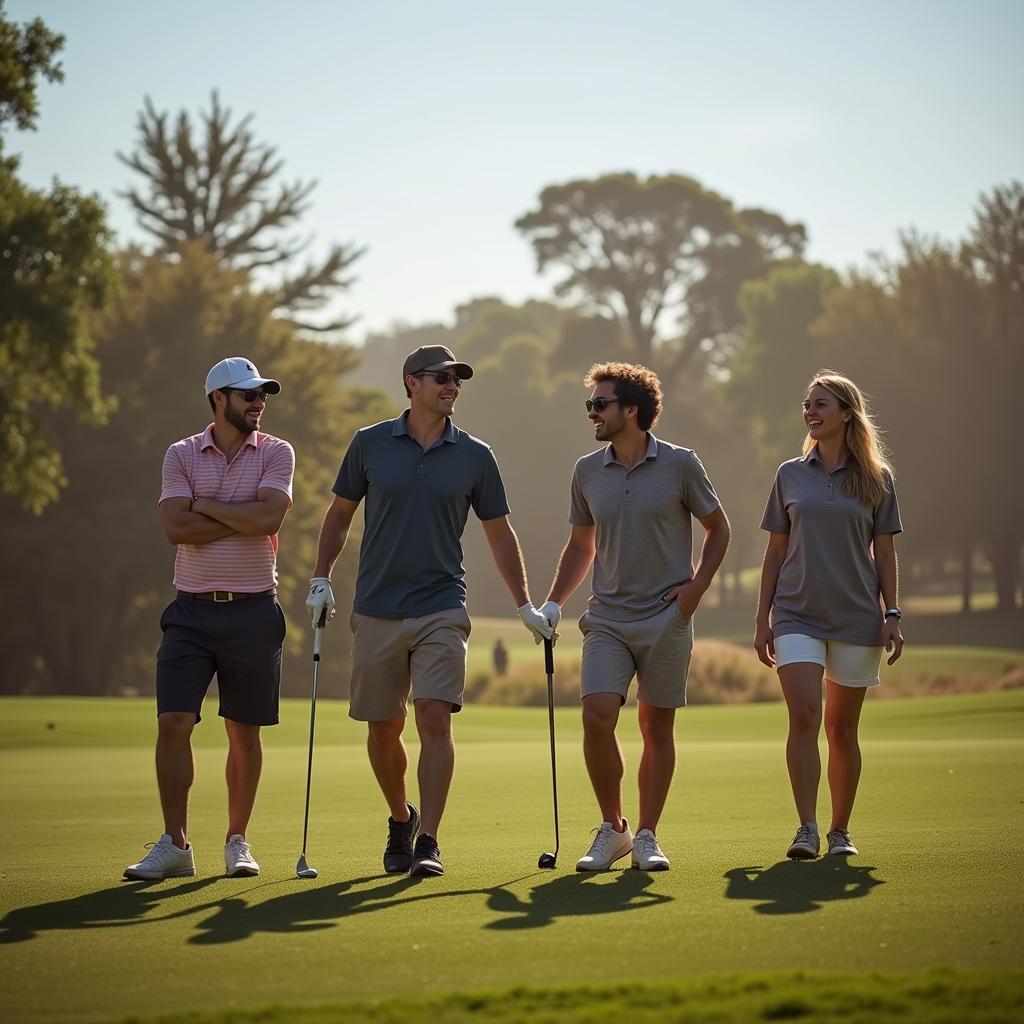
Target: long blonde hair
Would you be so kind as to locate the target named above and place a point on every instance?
(865, 477)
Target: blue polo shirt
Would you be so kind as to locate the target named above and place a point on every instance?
(417, 503)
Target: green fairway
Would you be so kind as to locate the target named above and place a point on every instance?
(937, 884)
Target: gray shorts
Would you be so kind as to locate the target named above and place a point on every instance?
(393, 657)
(656, 650)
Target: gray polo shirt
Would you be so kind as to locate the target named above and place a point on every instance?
(644, 535)
(828, 584)
(417, 503)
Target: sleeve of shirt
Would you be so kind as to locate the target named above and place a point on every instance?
(488, 498)
(887, 511)
(351, 480)
(579, 508)
(698, 494)
(776, 518)
(280, 468)
(174, 481)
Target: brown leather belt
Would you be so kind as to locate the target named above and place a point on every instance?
(224, 596)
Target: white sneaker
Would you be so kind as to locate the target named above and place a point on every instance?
(238, 858)
(608, 847)
(805, 843)
(647, 855)
(839, 843)
(164, 860)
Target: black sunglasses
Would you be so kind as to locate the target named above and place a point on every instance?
(251, 395)
(441, 376)
(599, 404)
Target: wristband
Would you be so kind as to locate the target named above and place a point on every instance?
(893, 613)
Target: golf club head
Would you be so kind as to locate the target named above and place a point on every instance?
(547, 860)
(303, 870)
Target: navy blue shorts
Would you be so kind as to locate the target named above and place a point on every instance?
(240, 641)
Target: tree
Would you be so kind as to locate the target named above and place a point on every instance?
(638, 249)
(55, 267)
(219, 190)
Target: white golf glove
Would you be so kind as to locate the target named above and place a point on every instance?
(552, 611)
(536, 623)
(321, 599)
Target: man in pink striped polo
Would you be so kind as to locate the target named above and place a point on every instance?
(224, 495)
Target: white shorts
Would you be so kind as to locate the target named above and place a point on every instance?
(847, 664)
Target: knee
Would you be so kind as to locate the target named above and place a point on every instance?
(841, 732)
(242, 737)
(433, 719)
(657, 725)
(804, 720)
(599, 718)
(384, 735)
(175, 726)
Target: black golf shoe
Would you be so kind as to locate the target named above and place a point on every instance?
(426, 860)
(398, 852)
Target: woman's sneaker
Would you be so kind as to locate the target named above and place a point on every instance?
(805, 843)
(608, 847)
(647, 855)
(398, 852)
(426, 857)
(839, 843)
(238, 858)
(164, 860)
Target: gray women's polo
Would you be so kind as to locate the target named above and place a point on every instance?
(644, 534)
(828, 584)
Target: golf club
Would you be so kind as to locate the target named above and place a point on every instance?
(302, 869)
(548, 860)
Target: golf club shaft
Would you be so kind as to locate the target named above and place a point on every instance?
(549, 667)
(317, 633)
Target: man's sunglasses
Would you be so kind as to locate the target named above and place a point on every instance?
(441, 376)
(599, 404)
(251, 395)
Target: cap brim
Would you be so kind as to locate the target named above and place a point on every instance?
(272, 387)
(462, 370)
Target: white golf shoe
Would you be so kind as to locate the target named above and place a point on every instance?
(805, 843)
(839, 843)
(164, 860)
(238, 858)
(608, 847)
(647, 855)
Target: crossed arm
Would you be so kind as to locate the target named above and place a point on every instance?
(203, 520)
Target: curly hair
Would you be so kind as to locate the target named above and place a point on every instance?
(634, 385)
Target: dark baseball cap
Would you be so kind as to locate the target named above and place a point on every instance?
(435, 357)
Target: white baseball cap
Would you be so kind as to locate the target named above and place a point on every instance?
(239, 372)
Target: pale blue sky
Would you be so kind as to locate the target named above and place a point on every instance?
(432, 126)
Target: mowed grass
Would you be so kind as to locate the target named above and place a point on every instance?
(938, 822)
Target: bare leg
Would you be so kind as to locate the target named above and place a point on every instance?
(603, 754)
(437, 760)
(389, 761)
(801, 685)
(842, 716)
(658, 763)
(245, 762)
(175, 771)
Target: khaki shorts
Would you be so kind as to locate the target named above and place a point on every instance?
(391, 657)
(656, 650)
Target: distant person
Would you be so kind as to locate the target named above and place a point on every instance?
(224, 495)
(499, 656)
(420, 476)
(828, 599)
(630, 509)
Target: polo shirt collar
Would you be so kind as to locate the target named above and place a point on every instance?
(400, 428)
(651, 453)
(207, 441)
(813, 456)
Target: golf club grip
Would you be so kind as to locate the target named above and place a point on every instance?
(549, 657)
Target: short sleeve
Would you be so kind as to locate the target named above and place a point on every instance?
(579, 509)
(351, 481)
(488, 498)
(174, 480)
(776, 518)
(887, 511)
(279, 468)
(697, 493)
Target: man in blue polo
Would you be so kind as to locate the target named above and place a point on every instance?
(420, 476)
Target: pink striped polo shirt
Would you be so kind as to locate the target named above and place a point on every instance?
(196, 467)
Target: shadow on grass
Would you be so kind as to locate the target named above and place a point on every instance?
(117, 907)
(322, 907)
(797, 887)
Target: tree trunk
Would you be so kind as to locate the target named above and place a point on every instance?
(1005, 558)
(967, 578)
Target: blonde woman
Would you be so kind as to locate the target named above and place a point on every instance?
(828, 600)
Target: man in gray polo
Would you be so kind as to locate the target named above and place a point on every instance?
(420, 475)
(631, 504)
